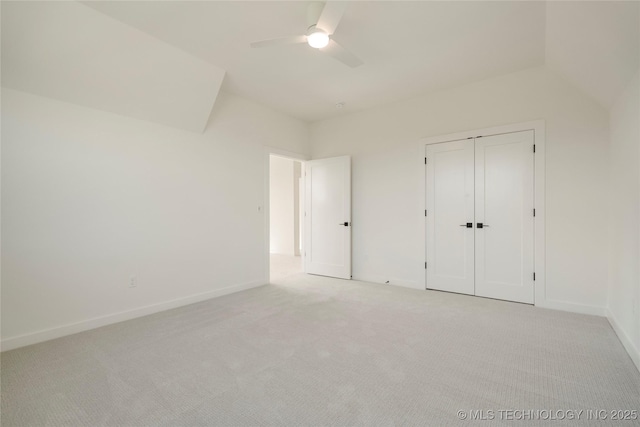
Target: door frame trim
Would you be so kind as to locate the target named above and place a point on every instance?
(538, 128)
(267, 153)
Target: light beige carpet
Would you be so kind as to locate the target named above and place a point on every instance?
(317, 351)
(283, 266)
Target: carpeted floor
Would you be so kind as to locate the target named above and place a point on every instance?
(318, 351)
(283, 266)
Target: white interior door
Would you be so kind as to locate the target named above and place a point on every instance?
(328, 217)
(504, 194)
(450, 204)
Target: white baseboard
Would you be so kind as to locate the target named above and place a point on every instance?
(392, 281)
(634, 353)
(96, 322)
(572, 307)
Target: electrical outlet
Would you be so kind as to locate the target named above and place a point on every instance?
(133, 282)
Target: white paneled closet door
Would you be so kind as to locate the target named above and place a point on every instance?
(480, 224)
(504, 193)
(450, 225)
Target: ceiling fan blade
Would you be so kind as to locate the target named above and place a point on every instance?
(331, 15)
(280, 41)
(341, 54)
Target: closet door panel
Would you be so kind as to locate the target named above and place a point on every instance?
(504, 198)
(450, 247)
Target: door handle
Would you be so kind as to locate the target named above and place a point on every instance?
(481, 225)
(346, 224)
(468, 225)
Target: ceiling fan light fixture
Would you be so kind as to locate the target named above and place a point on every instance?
(318, 39)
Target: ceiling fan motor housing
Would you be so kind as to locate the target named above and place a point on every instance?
(316, 37)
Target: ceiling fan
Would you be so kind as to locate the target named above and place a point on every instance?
(323, 19)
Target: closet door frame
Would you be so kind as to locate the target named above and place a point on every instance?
(538, 128)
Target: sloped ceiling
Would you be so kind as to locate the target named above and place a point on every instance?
(68, 51)
(594, 45)
(408, 47)
(165, 61)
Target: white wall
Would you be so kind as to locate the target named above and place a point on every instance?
(90, 199)
(387, 205)
(624, 208)
(281, 204)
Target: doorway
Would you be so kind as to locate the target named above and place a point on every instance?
(286, 207)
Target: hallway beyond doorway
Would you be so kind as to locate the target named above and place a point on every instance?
(284, 265)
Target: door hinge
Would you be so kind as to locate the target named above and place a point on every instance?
(534, 277)
(534, 148)
(534, 211)
(425, 265)
(425, 160)
(425, 212)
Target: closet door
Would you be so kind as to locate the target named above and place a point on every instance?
(504, 200)
(449, 182)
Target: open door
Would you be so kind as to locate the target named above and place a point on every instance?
(328, 217)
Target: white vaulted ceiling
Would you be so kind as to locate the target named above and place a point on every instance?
(164, 60)
(67, 51)
(408, 48)
(594, 45)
